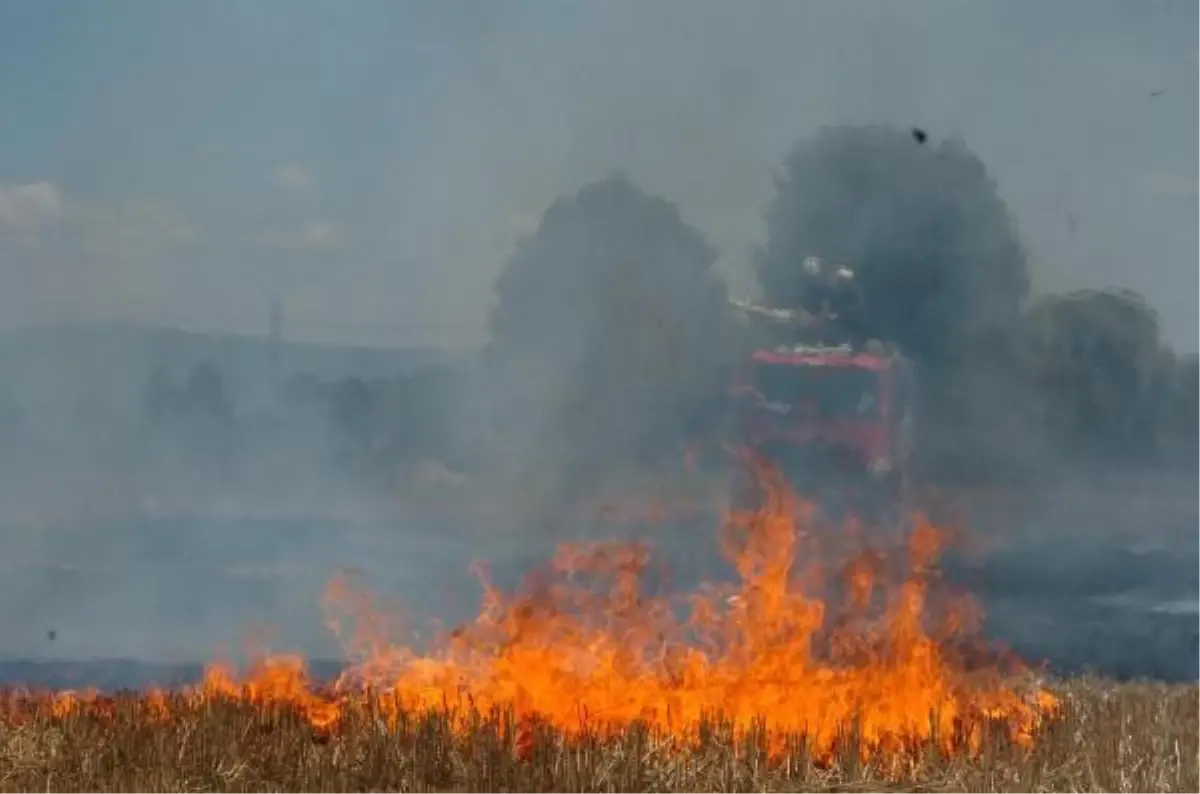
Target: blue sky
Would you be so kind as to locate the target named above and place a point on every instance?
(374, 162)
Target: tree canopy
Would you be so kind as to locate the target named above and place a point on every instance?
(606, 321)
(1099, 367)
(939, 267)
(935, 250)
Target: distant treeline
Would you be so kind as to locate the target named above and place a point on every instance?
(365, 430)
(612, 343)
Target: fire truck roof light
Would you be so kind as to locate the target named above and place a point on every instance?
(816, 350)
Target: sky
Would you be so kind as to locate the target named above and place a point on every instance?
(374, 163)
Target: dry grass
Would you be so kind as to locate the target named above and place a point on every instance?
(1136, 737)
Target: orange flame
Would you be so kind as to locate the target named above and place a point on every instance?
(580, 647)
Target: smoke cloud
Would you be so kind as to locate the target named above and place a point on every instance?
(372, 171)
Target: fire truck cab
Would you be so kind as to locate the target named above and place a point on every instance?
(839, 413)
(822, 412)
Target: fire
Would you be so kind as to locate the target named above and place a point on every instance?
(797, 646)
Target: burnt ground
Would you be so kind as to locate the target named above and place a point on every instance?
(1098, 576)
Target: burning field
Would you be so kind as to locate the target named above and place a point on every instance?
(823, 666)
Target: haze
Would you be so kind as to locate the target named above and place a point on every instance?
(373, 163)
(367, 168)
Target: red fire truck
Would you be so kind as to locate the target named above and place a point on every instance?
(837, 414)
(825, 413)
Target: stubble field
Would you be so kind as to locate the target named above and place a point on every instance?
(1090, 733)
(1132, 737)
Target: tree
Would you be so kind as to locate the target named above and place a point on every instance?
(935, 251)
(606, 321)
(352, 411)
(939, 268)
(421, 415)
(204, 393)
(1186, 397)
(193, 423)
(1100, 370)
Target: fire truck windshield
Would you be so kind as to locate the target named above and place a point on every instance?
(825, 391)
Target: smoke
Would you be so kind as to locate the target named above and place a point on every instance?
(450, 144)
(378, 169)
